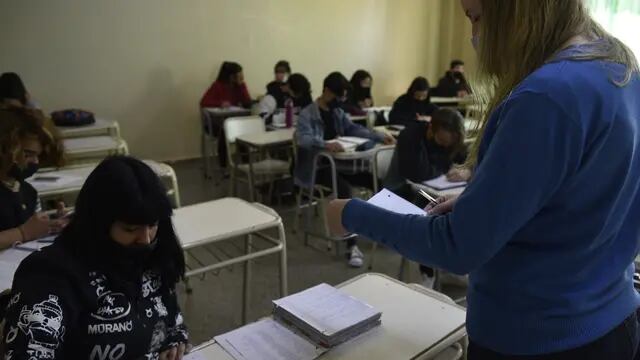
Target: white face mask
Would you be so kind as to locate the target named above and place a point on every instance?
(475, 41)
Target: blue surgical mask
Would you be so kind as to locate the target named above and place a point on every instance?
(475, 41)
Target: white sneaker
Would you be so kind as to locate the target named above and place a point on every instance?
(356, 257)
(428, 281)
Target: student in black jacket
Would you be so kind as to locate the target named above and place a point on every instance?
(277, 88)
(106, 288)
(413, 106)
(453, 83)
(24, 142)
(359, 95)
(426, 150)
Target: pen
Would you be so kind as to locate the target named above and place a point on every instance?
(428, 197)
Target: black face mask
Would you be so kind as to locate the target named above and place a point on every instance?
(21, 174)
(334, 104)
(139, 252)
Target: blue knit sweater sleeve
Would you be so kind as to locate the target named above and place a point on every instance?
(536, 145)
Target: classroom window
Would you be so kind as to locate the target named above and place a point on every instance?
(621, 18)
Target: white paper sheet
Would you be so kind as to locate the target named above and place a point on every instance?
(267, 340)
(195, 356)
(14, 255)
(441, 183)
(54, 181)
(392, 202)
(7, 269)
(326, 308)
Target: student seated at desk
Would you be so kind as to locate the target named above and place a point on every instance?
(297, 90)
(359, 96)
(23, 143)
(453, 83)
(106, 287)
(278, 87)
(413, 106)
(229, 89)
(320, 122)
(426, 151)
(14, 93)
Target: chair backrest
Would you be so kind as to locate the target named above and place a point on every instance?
(238, 126)
(381, 163)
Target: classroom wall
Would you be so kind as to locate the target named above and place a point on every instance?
(146, 63)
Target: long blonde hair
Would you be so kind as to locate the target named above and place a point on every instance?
(519, 36)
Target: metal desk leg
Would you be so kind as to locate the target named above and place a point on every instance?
(246, 292)
(284, 285)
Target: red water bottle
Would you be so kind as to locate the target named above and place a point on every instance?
(288, 113)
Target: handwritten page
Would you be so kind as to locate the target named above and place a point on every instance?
(326, 309)
(392, 202)
(441, 183)
(267, 340)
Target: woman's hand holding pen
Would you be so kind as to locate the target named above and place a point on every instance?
(444, 205)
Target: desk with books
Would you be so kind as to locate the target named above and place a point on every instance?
(416, 323)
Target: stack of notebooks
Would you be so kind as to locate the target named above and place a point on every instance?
(304, 326)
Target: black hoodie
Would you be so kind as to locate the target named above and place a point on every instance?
(67, 306)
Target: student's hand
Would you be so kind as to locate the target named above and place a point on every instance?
(462, 93)
(367, 103)
(175, 353)
(423, 118)
(225, 104)
(445, 205)
(56, 226)
(60, 209)
(333, 147)
(458, 174)
(36, 227)
(334, 216)
(388, 139)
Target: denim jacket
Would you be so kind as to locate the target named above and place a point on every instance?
(310, 137)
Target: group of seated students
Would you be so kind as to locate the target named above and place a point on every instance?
(106, 286)
(430, 144)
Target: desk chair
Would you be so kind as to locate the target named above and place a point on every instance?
(317, 195)
(380, 168)
(267, 169)
(458, 350)
(208, 146)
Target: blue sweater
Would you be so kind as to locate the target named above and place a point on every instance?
(550, 225)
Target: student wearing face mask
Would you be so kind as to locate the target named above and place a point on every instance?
(426, 150)
(278, 87)
(324, 120)
(413, 106)
(24, 142)
(453, 83)
(297, 89)
(229, 89)
(359, 96)
(106, 287)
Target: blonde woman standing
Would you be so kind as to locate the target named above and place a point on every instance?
(549, 226)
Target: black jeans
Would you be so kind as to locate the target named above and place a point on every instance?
(343, 185)
(620, 343)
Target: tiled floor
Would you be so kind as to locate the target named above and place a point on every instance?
(215, 304)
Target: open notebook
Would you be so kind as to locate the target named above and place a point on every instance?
(304, 326)
(349, 143)
(441, 183)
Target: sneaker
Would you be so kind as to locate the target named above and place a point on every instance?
(356, 257)
(428, 281)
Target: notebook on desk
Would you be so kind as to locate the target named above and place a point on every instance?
(349, 143)
(304, 326)
(441, 183)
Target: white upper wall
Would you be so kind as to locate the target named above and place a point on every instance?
(146, 63)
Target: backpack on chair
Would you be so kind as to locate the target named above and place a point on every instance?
(72, 117)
